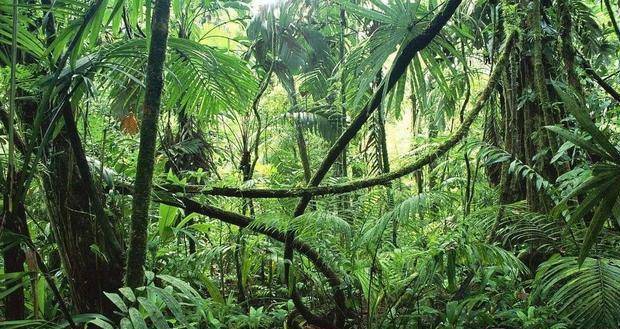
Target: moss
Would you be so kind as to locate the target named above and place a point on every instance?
(136, 255)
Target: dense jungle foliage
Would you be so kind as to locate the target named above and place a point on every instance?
(309, 164)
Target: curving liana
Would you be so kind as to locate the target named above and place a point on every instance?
(309, 164)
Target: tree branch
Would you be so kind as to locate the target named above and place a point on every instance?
(191, 206)
(243, 221)
(400, 65)
(600, 81)
(167, 196)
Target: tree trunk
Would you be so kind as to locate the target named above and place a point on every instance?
(385, 165)
(89, 270)
(14, 221)
(566, 41)
(14, 215)
(134, 276)
(342, 171)
(524, 136)
(303, 151)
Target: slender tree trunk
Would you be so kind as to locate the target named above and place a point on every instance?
(14, 216)
(418, 175)
(432, 133)
(612, 18)
(385, 163)
(248, 207)
(303, 151)
(238, 255)
(136, 256)
(14, 221)
(540, 84)
(343, 100)
(342, 171)
(567, 50)
(289, 85)
(301, 140)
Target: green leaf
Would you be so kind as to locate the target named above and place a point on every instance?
(149, 10)
(97, 24)
(154, 313)
(187, 218)
(582, 116)
(173, 305)
(128, 293)
(602, 213)
(214, 292)
(589, 203)
(117, 300)
(126, 324)
(136, 319)
(181, 285)
(167, 216)
(597, 181)
(579, 141)
(9, 290)
(587, 294)
(87, 318)
(101, 323)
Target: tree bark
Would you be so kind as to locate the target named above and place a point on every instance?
(112, 245)
(540, 84)
(14, 221)
(599, 80)
(343, 109)
(89, 271)
(566, 43)
(14, 215)
(134, 274)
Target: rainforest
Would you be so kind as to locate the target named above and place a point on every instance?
(308, 164)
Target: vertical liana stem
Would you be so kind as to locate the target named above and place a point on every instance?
(136, 255)
(566, 41)
(539, 71)
(612, 18)
(343, 98)
(12, 221)
(12, 95)
(469, 183)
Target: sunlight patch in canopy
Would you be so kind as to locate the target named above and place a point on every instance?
(258, 5)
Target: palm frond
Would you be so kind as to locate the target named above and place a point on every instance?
(27, 41)
(201, 79)
(588, 294)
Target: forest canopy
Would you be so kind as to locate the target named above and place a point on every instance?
(309, 164)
